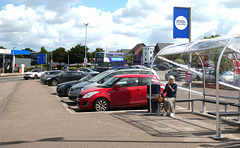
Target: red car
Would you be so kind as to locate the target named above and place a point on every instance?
(129, 90)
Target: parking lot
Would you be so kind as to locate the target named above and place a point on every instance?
(35, 117)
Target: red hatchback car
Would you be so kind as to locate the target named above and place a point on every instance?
(119, 91)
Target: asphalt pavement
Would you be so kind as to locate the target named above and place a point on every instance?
(35, 117)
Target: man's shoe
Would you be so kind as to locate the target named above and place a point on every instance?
(171, 114)
(165, 114)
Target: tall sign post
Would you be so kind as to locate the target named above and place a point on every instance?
(182, 29)
(41, 59)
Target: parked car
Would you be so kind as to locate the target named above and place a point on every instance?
(100, 69)
(169, 66)
(101, 78)
(63, 88)
(138, 66)
(226, 77)
(119, 91)
(34, 74)
(178, 73)
(48, 74)
(196, 76)
(162, 67)
(88, 71)
(64, 77)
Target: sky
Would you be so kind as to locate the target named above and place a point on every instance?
(113, 24)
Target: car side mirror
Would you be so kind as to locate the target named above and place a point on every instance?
(116, 87)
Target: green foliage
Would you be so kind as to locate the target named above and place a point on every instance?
(1, 47)
(19, 56)
(180, 61)
(77, 54)
(28, 49)
(99, 50)
(59, 55)
(129, 59)
(212, 36)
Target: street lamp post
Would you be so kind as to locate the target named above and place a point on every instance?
(85, 59)
(13, 61)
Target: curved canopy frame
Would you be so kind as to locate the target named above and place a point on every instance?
(231, 43)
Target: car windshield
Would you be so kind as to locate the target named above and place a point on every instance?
(34, 70)
(59, 74)
(109, 82)
(99, 76)
(227, 73)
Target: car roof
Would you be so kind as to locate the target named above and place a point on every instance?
(134, 75)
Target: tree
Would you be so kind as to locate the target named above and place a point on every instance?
(179, 61)
(59, 55)
(99, 50)
(28, 49)
(129, 59)
(77, 54)
(1, 47)
(212, 36)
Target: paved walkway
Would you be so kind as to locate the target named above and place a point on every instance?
(34, 117)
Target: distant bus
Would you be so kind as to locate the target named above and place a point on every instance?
(110, 60)
(137, 59)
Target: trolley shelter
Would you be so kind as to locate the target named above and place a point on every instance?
(224, 54)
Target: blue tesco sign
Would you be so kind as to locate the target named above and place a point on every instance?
(181, 24)
(41, 58)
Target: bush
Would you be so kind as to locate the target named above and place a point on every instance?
(179, 61)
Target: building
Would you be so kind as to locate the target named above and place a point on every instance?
(137, 49)
(147, 54)
(125, 51)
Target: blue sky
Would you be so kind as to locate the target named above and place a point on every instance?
(105, 5)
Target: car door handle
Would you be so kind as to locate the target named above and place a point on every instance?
(138, 89)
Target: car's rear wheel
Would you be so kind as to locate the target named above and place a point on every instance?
(26, 78)
(101, 104)
(54, 82)
(35, 76)
(67, 91)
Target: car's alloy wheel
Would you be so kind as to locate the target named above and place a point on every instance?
(101, 105)
(67, 91)
(54, 82)
(35, 76)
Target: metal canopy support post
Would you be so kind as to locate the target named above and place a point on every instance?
(218, 121)
(204, 85)
(235, 57)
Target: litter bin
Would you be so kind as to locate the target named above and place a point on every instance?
(156, 88)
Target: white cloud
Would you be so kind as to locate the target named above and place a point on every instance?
(55, 23)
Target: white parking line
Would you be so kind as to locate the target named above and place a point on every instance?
(65, 105)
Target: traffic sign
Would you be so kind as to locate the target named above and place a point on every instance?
(237, 66)
(41, 58)
(188, 77)
(181, 22)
